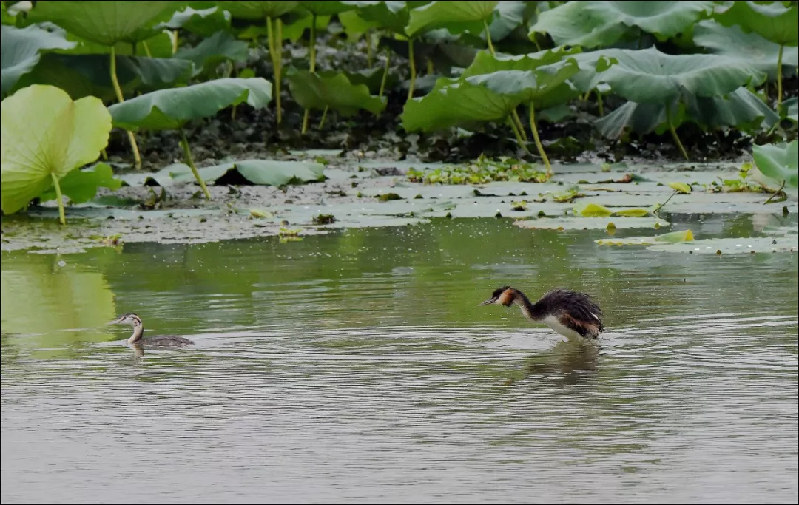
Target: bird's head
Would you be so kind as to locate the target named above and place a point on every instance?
(502, 296)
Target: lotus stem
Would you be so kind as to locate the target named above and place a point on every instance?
(104, 155)
(488, 37)
(385, 74)
(324, 115)
(369, 55)
(538, 140)
(276, 60)
(779, 76)
(430, 68)
(674, 132)
(519, 124)
(184, 143)
(313, 69)
(146, 49)
(58, 199)
(413, 69)
(522, 143)
(120, 99)
(174, 41)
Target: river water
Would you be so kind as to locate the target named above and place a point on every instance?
(357, 367)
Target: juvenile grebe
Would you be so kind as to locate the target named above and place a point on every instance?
(569, 313)
(138, 332)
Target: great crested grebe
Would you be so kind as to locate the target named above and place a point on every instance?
(568, 312)
(138, 332)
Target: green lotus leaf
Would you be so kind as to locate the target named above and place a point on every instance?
(157, 46)
(485, 62)
(212, 51)
(81, 185)
(740, 109)
(572, 24)
(790, 109)
(355, 25)
(680, 187)
(725, 246)
(171, 108)
(456, 17)
(259, 10)
(662, 19)
(773, 21)
(203, 22)
(649, 76)
(779, 161)
(372, 78)
(262, 172)
(489, 97)
(21, 50)
(107, 22)
(326, 7)
(758, 51)
(64, 136)
(314, 91)
(89, 74)
(590, 223)
(391, 15)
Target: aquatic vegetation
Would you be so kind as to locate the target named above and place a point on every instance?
(172, 108)
(779, 162)
(36, 155)
(481, 171)
(667, 238)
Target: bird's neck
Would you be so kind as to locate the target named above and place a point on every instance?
(533, 311)
(138, 333)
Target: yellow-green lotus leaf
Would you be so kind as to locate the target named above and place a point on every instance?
(46, 134)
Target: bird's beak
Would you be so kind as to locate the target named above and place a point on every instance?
(488, 302)
(115, 321)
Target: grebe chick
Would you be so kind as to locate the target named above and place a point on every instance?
(568, 312)
(138, 332)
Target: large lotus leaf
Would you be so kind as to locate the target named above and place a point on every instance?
(107, 22)
(637, 117)
(203, 22)
(740, 109)
(649, 76)
(773, 21)
(485, 62)
(326, 7)
(157, 46)
(456, 17)
(81, 185)
(779, 161)
(259, 10)
(391, 15)
(20, 51)
(89, 74)
(508, 16)
(171, 108)
(572, 24)
(662, 19)
(262, 172)
(65, 135)
(487, 97)
(544, 88)
(724, 246)
(314, 91)
(731, 41)
(372, 78)
(790, 109)
(216, 49)
(354, 25)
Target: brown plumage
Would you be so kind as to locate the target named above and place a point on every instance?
(570, 313)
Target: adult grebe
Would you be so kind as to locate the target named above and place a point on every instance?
(569, 313)
(138, 332)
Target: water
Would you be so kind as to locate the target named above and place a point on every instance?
(357, 367)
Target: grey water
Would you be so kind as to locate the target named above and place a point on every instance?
(357, 367)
